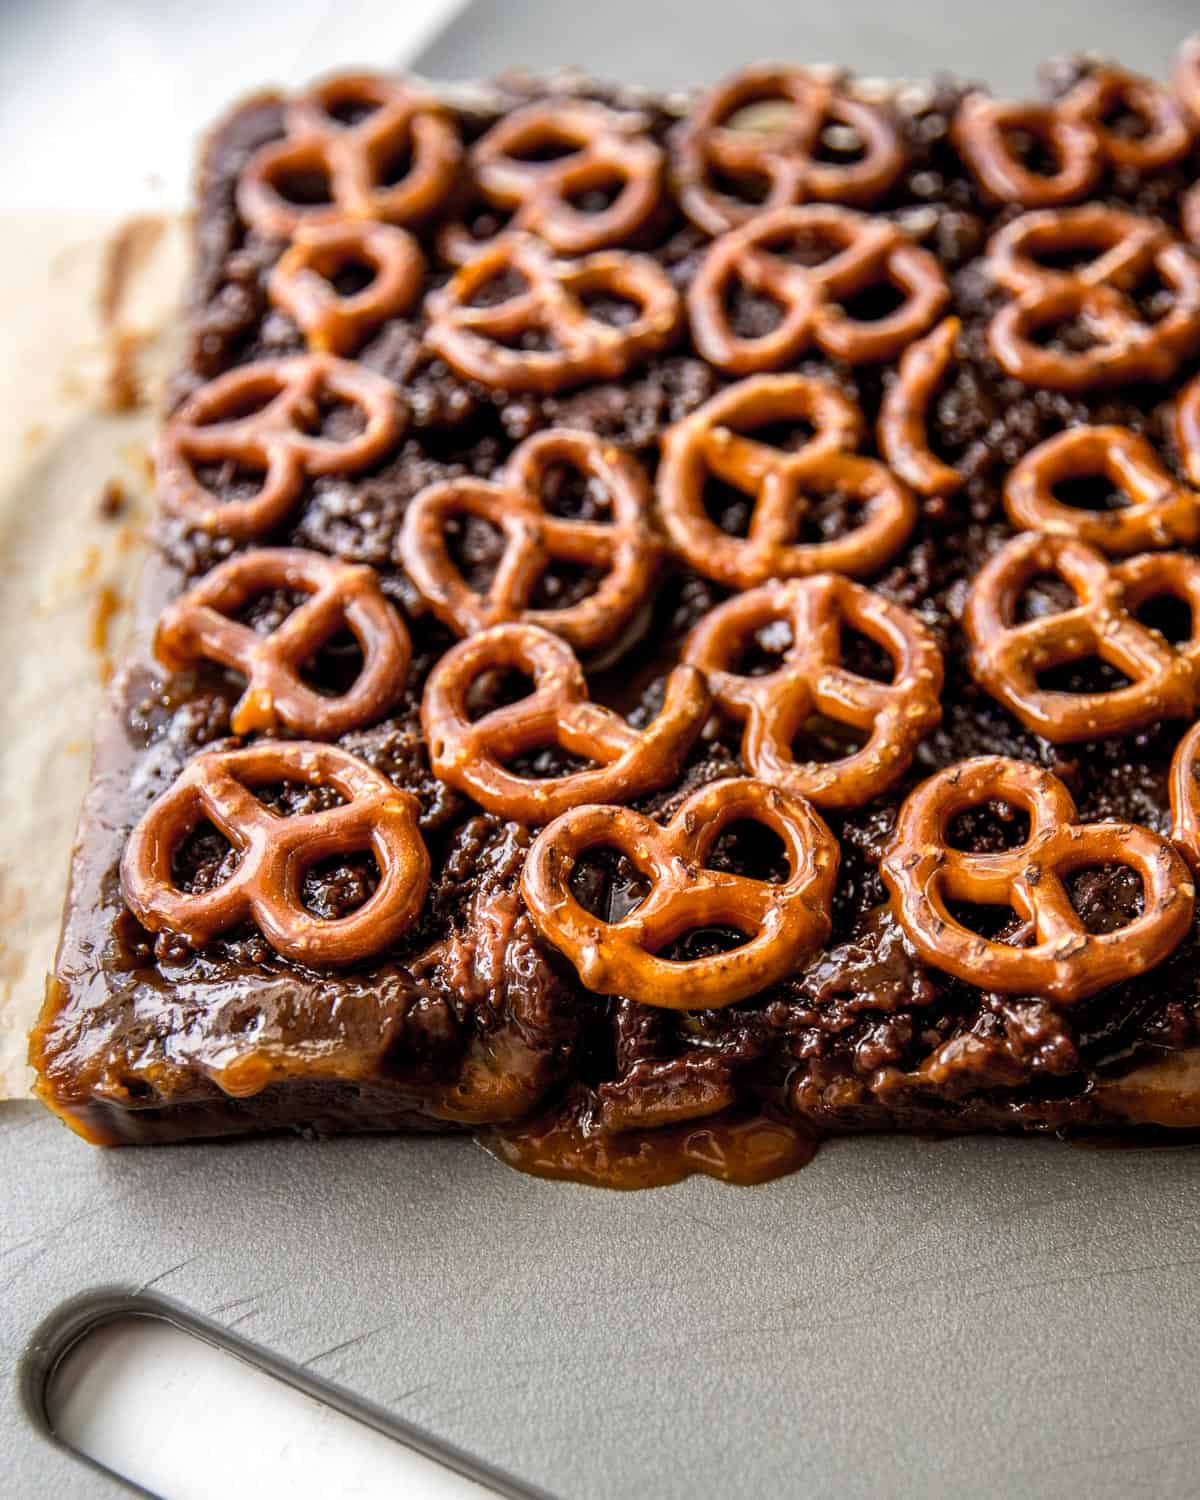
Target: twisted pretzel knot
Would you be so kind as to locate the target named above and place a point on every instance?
(783, 924)
(902, 431)
(780, 149)
(276, 852)
(712, 441)
(474, 755)
(1156, 511)
(866, 252)
(351, 162)
(479, 341)
(302, 282)
(1006, 657)
(1185, 796)
(604, 146)
(198, 625)
(624, 547)
(266, 417)
(1126, 347)
(1053, 954)
(811, 679)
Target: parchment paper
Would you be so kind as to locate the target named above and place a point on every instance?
(87, 332)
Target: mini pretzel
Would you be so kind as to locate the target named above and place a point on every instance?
(1157, 512)
(1187, 429)
(1166, 137)
(605, 146)
(783, 924)
(302, 281)
(903, 414)
(278, 436)
(353, 161)
(812, 680)
(1185, 797)
(1007, 657)
(780, 154)
(481, 342)
(199, 625)
(981, 133)
(712, 441)
(1053, 954)
(276, 852)
(474, 755)
(1126, 249)
(624, 547)
(866, 252)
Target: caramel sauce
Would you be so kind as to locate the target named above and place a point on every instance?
(740, 1148)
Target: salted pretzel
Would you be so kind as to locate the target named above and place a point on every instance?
(474, 755)
(1052, 954)
(303, 281)
(1156, 511)
(864, 252)
(1187, 429)
(1125, 249)
(903, 414)
(624, 546)
(1006, 657)
(713, 440)
(276, 852)
(266, 417)
(1073, 131)
(201, 624)
(600, 148)
(763, 127)
(482, 342)
(343, 137)
(783, 924)
(811, 679)
(1185, 797)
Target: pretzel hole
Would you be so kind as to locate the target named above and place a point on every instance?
(743, 186)
(1072, 257)
(1107, 897)
(704, 942)
(988, 828)
(607, 883)
(1045, 594)
(750, 313)
(504, 285)
(1073, 335)
(350, 109)
(476, 548)
(597, 195)
(748, 847)
(760, 652)
(1032, 149)
(823, 515)
(484, 221)
(567, 491)
(335, 666)
(334, 887)
(611, 308)
(203, 859)
(292, 799)
(351, 276)
(822, 741)
(729, 509)
(229, 480)
(1152, 295)
(879, 300)
(307, 186)
(1088, 674)
(328, 417)
(392, 158)
(548, 143)
(565, 583)
(267, 609)
(1121, 116)
(865, 657)
(839, 145)
(1170, 615)
(996, 924)
(763, 114)
(1090, 492)
(497, 689)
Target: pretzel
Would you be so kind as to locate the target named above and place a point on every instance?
(479, 342)
(1167, 136)
(351, 162)
(266, 416)
(199, 625)
(605, 146)
(866, 252)
(1007, 657)
(811, 679)
(474, 755)
(980, 132)
(534, 539)
(1185, 797)
(302, 281)
(711, 440)
(1053, 954)
(1157, 512)
(903, 421)
(783, 924)
(780, 151)
(276, 852)
(1128, 348)
(1187, 429)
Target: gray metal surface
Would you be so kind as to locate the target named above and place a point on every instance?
(969, 1318)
